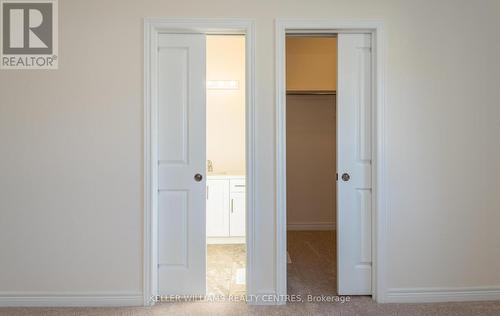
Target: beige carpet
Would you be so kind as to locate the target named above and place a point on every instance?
(313, 267)
(312, 271)
(359, 306)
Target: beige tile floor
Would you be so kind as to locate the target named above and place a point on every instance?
(225, 266)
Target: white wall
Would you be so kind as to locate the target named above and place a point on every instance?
(71, 144)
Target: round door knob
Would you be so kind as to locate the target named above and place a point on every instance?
(346, 177)
(198, 177)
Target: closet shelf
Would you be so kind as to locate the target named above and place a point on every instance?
(311, 92)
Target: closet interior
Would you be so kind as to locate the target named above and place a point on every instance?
(311, 88)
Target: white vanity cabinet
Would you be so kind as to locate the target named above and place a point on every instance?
(237, 215)
(226, 209)
(217, 208)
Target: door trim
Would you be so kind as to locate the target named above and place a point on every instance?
(380, 213)
(153, 27)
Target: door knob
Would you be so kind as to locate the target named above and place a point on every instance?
(198, 177)
(346, 177)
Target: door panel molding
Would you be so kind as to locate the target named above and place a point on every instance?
(354, 157)
(380, 213)
(152, 28)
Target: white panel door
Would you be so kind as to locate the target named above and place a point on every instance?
(354, 164)
(181, 155)
(217, 208)
(237, 218)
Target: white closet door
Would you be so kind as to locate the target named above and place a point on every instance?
(354, 164)
(181, 152)
(217, 208)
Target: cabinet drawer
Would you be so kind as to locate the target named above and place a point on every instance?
(237, 185)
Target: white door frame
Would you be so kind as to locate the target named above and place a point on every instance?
(379, 209)
(152, 28)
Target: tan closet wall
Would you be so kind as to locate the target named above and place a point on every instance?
(311, 63)
(311, 133)
(311, 160)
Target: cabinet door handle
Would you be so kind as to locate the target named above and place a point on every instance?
(207, 191)
(232, 205)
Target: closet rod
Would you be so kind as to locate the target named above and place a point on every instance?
(311, 92)
(305, 34)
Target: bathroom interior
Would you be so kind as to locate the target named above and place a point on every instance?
(225, 207)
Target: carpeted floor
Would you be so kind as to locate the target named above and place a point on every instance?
(357, 307)
(311, 272)
(313, 266)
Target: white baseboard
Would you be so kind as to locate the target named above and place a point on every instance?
(311, 226)
(431, 295)
(23, 299)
